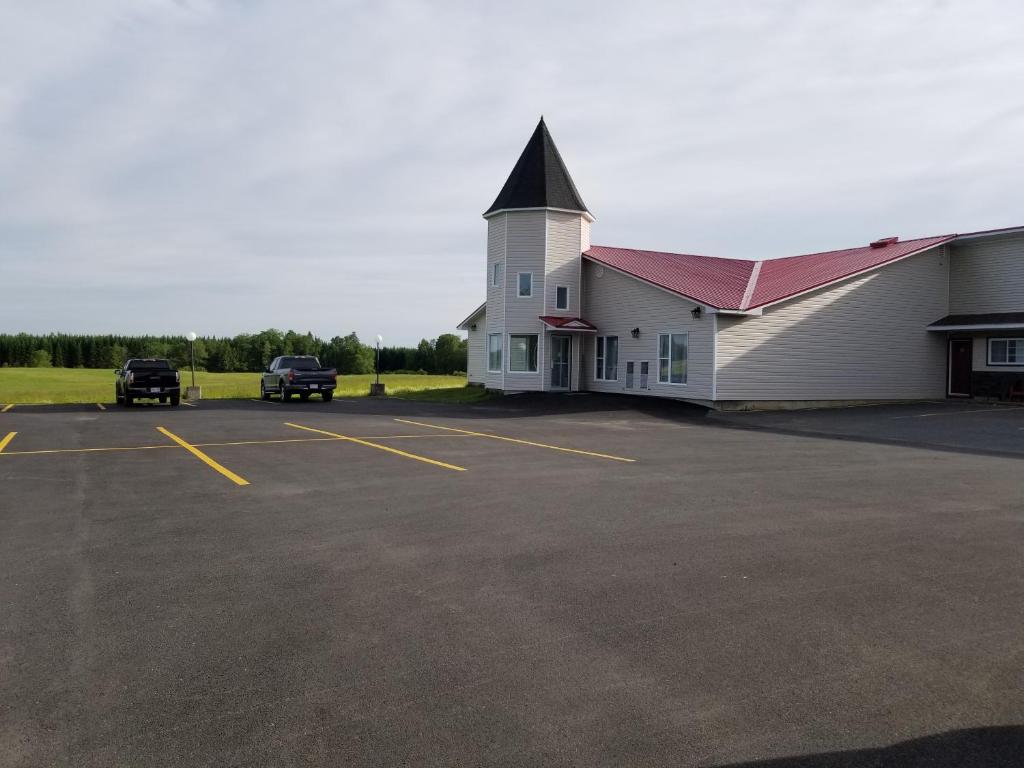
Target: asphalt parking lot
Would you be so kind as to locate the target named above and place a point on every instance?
(574, 581)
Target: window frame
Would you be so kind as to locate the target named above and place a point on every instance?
(536, 353)
(1018, 344)
(519, 287)
(495, 274)
(601, 358)
(500, 351)
(567, 299)
(669, 359)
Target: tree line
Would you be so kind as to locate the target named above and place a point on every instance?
(246, 352)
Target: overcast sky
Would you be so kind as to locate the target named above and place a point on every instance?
(230, 166)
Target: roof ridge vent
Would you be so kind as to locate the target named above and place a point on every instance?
(884, 241)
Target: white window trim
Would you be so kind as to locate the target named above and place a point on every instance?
(602, 369)
(495, 272)
(520, 295)
(501, 350)
(508, 364)
(659, 358)
(568, 297)
(988, 351)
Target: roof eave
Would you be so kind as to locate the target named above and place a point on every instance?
(464, 325)
(585, 214)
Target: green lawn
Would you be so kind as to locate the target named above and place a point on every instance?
(87, 385)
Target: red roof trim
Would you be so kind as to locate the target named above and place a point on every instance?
(568, 323)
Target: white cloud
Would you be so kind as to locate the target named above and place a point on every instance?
(323, 166)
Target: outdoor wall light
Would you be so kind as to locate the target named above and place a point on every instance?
(635, 333)
(696, 313)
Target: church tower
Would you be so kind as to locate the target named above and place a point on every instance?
(537, 229)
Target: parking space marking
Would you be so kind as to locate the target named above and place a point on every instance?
(204, 458)
(414, 456)
(5, 441)
(521, 442)
(215, 445)
(190, 405)
(101, 406)
(6, 408)
(956, 413)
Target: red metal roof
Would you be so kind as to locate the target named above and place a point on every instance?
(736, 284)
(705, 279)
(781, 278)
(568, 323)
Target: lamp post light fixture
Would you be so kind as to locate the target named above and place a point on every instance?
(193, 392)
(377, 388)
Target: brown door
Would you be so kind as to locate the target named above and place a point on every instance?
(960, 367)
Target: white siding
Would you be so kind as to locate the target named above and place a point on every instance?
(495, 323)
(563, 261)
(987, 275)
(616, 304)
(862, 339)
(527, 234)
(476, 353)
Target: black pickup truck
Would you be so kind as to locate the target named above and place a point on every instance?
(298, 374)
(147, 379)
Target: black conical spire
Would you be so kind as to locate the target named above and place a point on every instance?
(539, 179)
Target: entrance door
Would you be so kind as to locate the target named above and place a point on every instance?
(561, 349)
(960, 351)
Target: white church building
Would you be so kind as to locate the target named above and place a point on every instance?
(891, 320)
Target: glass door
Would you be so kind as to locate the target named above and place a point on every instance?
(561, 348)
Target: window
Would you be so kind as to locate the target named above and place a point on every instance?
(672, 358)
(607, 358)
(643, 374)
(525, 284)
(562, 297)
(1006, 351)
(496, 274)
(522, 353)
(494, 352)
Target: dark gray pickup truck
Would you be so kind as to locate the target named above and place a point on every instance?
(147, 378)
(298, 374)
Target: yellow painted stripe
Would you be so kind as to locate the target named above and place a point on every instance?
(5, 441)
(214, 445)
(379, 447)
(204, 458)
(517, 440)
(6, 408)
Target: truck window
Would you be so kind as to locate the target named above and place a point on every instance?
(300, 363)
(149, 365)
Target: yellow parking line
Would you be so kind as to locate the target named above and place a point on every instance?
(5, 441)
(521, 442)
(204, 458)
(395, 451)
(6, 408)
(215, 445)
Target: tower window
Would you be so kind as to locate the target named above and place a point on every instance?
(525, 285)
(496, 274)
(562, 297)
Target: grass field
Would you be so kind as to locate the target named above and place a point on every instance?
(88, 385)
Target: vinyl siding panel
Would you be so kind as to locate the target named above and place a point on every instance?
(496, 238)
(987, 275)
(862, 339)
(526, 239)
(476, 353)
(617, 303)
(563, 262)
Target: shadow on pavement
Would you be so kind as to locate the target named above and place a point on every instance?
(994, 747)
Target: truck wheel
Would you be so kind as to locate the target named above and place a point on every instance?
(304, 396)
(117, 397)
(175, 399)
(127, 400)
(163, 398)
(285, 394)
(327, 395)
(264, 395)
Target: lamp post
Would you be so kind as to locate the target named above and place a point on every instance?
(377, 388)
(193, 393)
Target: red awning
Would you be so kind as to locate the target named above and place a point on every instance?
(568, 324)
